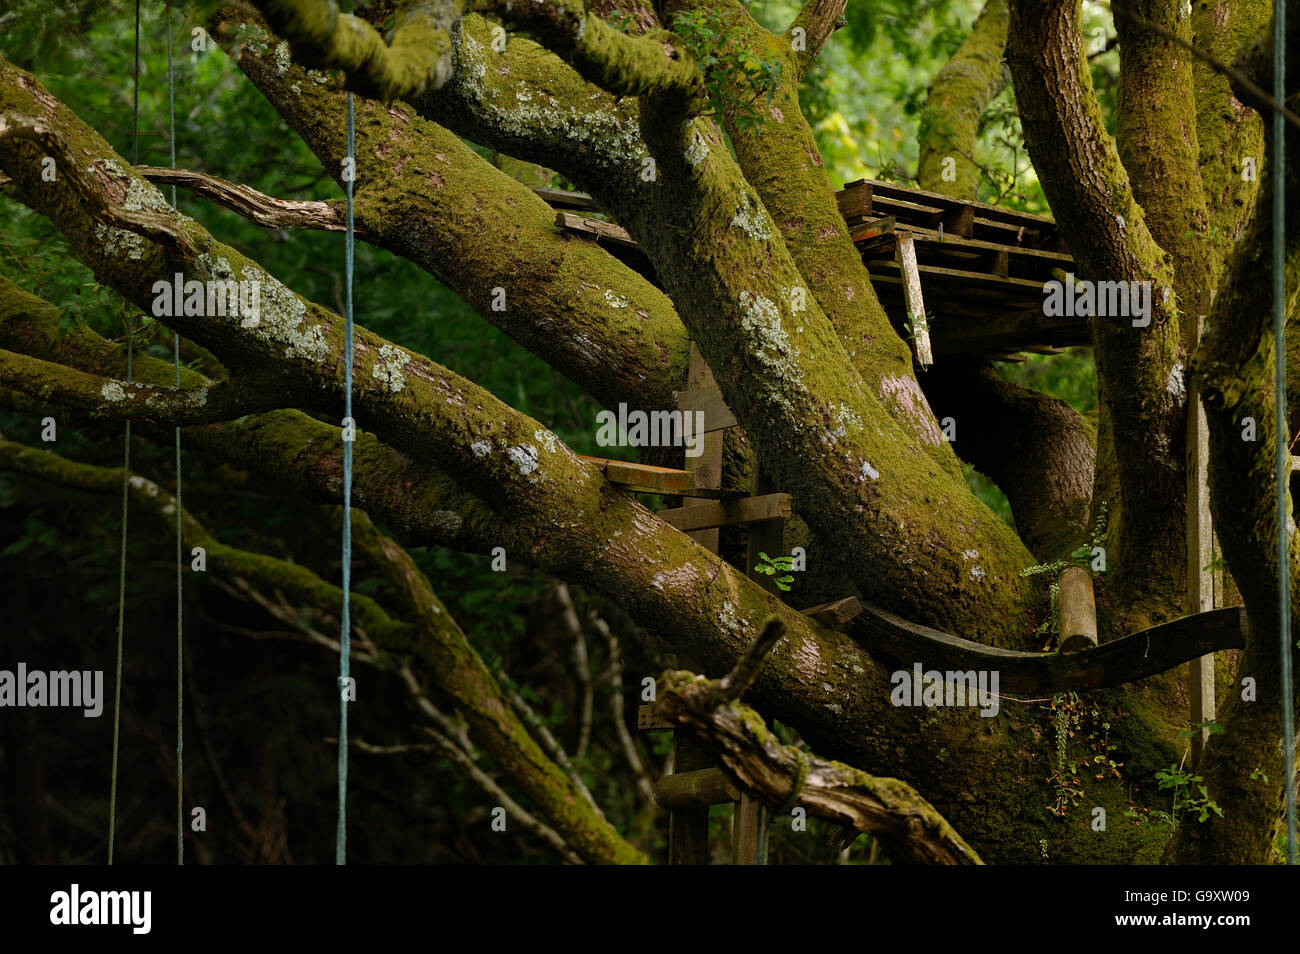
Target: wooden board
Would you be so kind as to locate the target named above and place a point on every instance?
(728, 513)
(647, 718)
(1041, 674)
(647, 479)
(919, 324)
(835, 614)
(561, 199)
(692, 789)
(717, 416)
(603, 231)
(1200, 581)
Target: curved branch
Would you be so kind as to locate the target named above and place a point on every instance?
(119, 208)
(958, 96)
(121, 400)
(418, 57)
(257, 207)
(656, 62)
(782, 776)
(819, 19)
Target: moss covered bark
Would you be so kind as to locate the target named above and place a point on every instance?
(954, 103)
(1140, 374)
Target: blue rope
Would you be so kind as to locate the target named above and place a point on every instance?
(176, 362)
(126, 490)
(345, 640)
(1283, 428)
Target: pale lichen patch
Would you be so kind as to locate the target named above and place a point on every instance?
(112, 391)
(388, 366)
(524, 457)
(751, 218)
(546, 439)
(698, 150)
(481, 448)
(282, 60)
(868, 471)
(760, 317)
(615, 300)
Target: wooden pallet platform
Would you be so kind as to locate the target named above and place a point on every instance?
(981, 267)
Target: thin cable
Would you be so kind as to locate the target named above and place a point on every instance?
(345, 640)
(1282, 427)
(180, 649)
(126, 491)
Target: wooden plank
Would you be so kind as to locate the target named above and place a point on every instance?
(854, 199)
(749, 832)
(711, 513)
(1077, 610)
(647, 718)
(959, 221)
(920, 325)
(647, 479)
(688, 828)
(1122, 660)
(1017, 289)
(836, 613)
(602, 231)
(1200, 544)
(562, 199)
(692, 789)
(717, 416)
(996, 213)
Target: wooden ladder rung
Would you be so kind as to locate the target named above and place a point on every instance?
(836, 613)
(717, 416)
(691, 789)
(648, 718)
(647, 479)
(728, 513)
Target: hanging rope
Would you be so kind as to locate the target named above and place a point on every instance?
(126, 487)
(176, 361)
(1282, 425)
(345, 640)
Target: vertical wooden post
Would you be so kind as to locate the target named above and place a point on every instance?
(749, 819)
(688, 828)
(1200, 581)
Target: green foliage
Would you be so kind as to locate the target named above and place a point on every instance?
(728, 66)
(1074, 719)
(771, 566)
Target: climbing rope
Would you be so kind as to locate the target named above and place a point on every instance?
(126, 487)
(176, 362)
(345, 639)
(1282, 425)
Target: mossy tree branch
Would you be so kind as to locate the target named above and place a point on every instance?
(433, 640)
(955, 101)
(1142, 413)
(416, 58)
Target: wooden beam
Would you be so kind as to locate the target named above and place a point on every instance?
(920, 327)
(647, 718)
(647, 479)
(602, 231)
(854, 200)
(1114, 663)
(1200, 544)
(1076, 610)
(692, 789)
(717, 513)
(562, 199)
(717, 416)
(836, 613)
